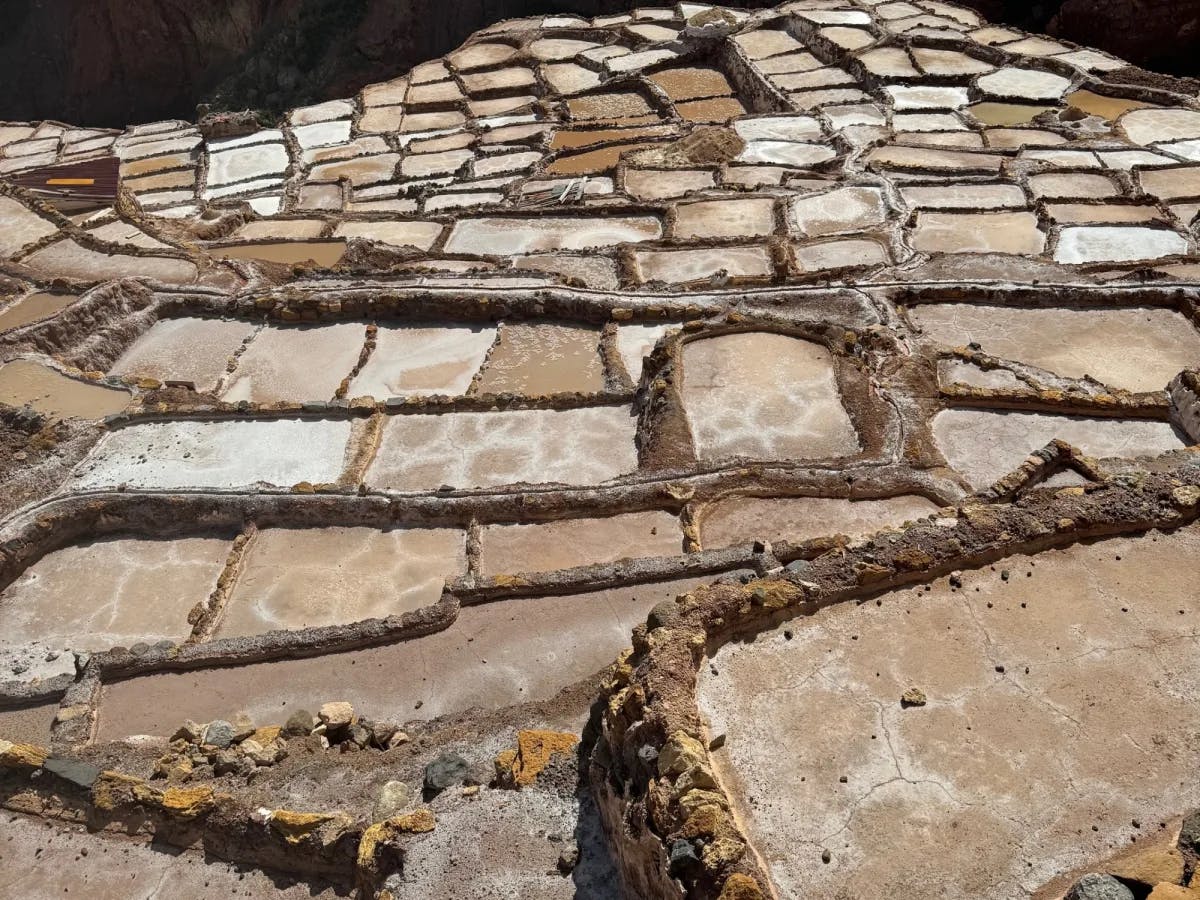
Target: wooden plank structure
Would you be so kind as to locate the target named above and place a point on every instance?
(74, 186)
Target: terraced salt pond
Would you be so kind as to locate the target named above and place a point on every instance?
(295, 363)
(324, 254)
(564, 544)
(740, 520)
(110, 593)
(464, 450)
(540, 359)
(185, 349)
(25, 382)
(420, 361)
(304, 578)
(983, 445)
(1138, 349)
(33, 308)
(766, 396)
(28, 724)
(493, 656)
(219, 454)
(1061, 709)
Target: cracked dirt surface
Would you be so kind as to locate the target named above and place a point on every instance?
(1061, 708)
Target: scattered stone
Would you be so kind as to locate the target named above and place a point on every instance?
(1094, 886)
(73, 770)
(683, 856)
(243, 727)
(338, 714)
(219, 734)
(299, 724)
(446, 770)
(393, 798)
(1189, 834)
(914, 696)
(398, 738)
(189, 731)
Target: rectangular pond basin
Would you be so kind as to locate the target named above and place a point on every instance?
(494, 655)
(767, 396)
(296, 363)
(307, 577)
(109, 593)
(1060, 712)
(185, 349)
(33, 308)
(1138, 349)
(541, 359)
(985, 445)
(740, 520)
(566, 543)
(221, 454)
(25, 382)
(464, 450)
(28, 724)
(419, 361)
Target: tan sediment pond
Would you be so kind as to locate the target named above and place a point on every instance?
(540, 359)
(984, 445)
(494, 655)
(185, 349)
(593, 162)
(1110, 108)
(310, 577)
(1137, 349)
(324, 254)
(543, 547)
(573, 446)
(1061, 713)
(1006, 114)
(28, 724)
(766, 396)
(33, 308)
(740, 520)
(108, 593)
(25, 382)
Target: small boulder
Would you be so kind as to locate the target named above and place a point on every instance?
(219, 734)
(189, 731)
(393, 798)
(914, 696)
(1189, 835)
(243, 727)
(299, 724)
(227, 762)
(75, 771)
(446, 770)
(568, 859)
(338, 714)
(397, 739)
(1094, 886)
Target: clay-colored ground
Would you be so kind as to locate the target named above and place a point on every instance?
(1135, 349)
(493, 656)
(302, 578)
(411, 360)
(740, 520)
(103, 594)
(1062, 707)
(766, 396)
(985, 445)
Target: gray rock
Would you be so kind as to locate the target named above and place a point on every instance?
(299, 724)
(683, 856)
(662, 614)
(446, 770)
(219, 734)
(1094, 886)
(227, 762)
(393, 798)
(73, 770)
